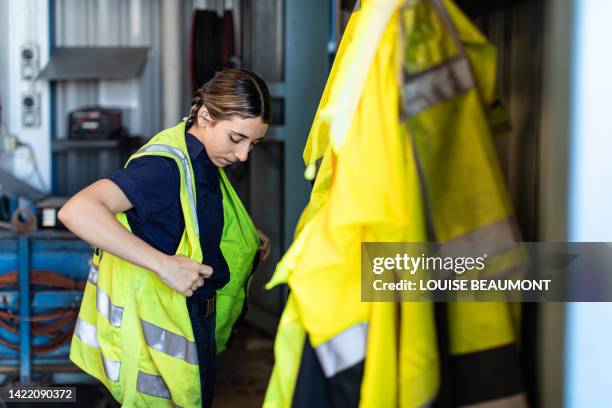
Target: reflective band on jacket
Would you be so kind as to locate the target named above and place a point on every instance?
(107, 309)
(104, 305)
(152, 385)
(343, 351)
(111, 368)
(169, 343)
(93, 275)
(491, 239)
(88, 334)
(159, 148)
(435, 85)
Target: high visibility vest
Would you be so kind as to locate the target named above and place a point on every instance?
(133, 332)
(406, 153)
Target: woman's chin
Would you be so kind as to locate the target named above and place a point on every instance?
(221, 162)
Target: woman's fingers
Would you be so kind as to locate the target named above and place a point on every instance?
(264, 247)
(197, 284)
(266, 253)
(185, 275)
(205, 271)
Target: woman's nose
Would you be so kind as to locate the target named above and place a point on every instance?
(242, 153)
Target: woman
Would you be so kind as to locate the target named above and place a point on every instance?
(169, 229)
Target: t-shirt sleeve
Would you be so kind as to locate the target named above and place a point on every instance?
(150, 183)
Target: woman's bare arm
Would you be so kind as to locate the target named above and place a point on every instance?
(90, 214)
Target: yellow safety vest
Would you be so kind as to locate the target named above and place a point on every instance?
(406, 151)
(133, 332)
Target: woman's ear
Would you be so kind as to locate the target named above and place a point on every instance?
(203, 116)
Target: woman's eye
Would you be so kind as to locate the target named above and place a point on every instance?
(234, 140)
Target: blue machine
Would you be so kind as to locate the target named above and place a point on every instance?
(42, 276)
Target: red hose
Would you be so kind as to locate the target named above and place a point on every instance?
(48, 323)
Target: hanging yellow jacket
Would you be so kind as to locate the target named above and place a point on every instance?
(366, 190)
(409, 76)
(133, 332)
(448, 81)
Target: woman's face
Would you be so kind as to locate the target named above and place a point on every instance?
(229, 141)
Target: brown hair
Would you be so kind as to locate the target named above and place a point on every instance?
(230, 93)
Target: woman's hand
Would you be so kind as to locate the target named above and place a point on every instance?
(182, 274)
(265, 245)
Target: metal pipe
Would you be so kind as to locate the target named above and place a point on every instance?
(25, 355)
(55, 368)
(171, 67)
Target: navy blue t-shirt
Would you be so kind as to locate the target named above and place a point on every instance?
(152, 184)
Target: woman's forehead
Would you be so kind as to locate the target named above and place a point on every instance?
(253, 128)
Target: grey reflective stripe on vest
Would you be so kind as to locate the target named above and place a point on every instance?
(153, 385)
(160, 148)
(343, 351)
(104, 305)
(111, 368)
(437, 84)
(93, 274)
(107, 309)
(88, 334)
(169, 343)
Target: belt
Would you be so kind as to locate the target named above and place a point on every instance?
(203, 307)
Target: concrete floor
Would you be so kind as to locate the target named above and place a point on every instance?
(244, 369)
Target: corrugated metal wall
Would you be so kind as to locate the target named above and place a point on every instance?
(111, 23)
(517, 33)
